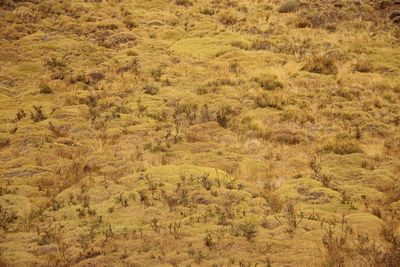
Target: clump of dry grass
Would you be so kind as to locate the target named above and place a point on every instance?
(228, 19)
(321, 64)
(269, 82)
(288, 6)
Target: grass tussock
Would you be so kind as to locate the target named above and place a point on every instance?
(199, 133)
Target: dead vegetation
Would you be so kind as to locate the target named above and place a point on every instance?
(208, 133)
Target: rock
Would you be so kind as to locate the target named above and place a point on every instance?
(288, 6)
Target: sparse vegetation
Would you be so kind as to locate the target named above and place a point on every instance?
(199, 133)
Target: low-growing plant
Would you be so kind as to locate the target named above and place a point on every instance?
(207, 11)
(228, 19)
(275, 100)
(269, 82)
(150, 89)
(288, 6)
(185, 3)
(20, 115)
(7, 218)
(249, 230)
(321, 64)
(45, 89)
(38, 115)
(342, 146)
(292, 217)
(4, 142)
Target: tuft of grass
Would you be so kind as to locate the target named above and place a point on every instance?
(185, 3)
(151, 89)
(288, 6)
(4, 142)
(38, 115)
(343, 146)
(45, 89)
(269, 82)
(7, 218)
(275, 100)
(228, 19)
(321, 64)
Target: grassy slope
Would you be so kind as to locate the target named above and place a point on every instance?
(273, 138)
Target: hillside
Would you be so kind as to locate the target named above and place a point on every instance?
(199, 133)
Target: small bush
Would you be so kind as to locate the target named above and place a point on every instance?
(288, 6)
(150, 89)
(321, 64)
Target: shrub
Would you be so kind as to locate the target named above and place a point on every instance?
(321, 64)
(150, 89)
(288, 6)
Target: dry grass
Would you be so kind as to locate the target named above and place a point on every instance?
(199, 133)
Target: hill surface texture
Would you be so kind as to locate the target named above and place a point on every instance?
(199, 133)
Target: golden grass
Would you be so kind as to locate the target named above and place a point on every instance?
(199, 133)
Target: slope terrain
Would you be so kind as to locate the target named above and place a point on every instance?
(199, 133)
